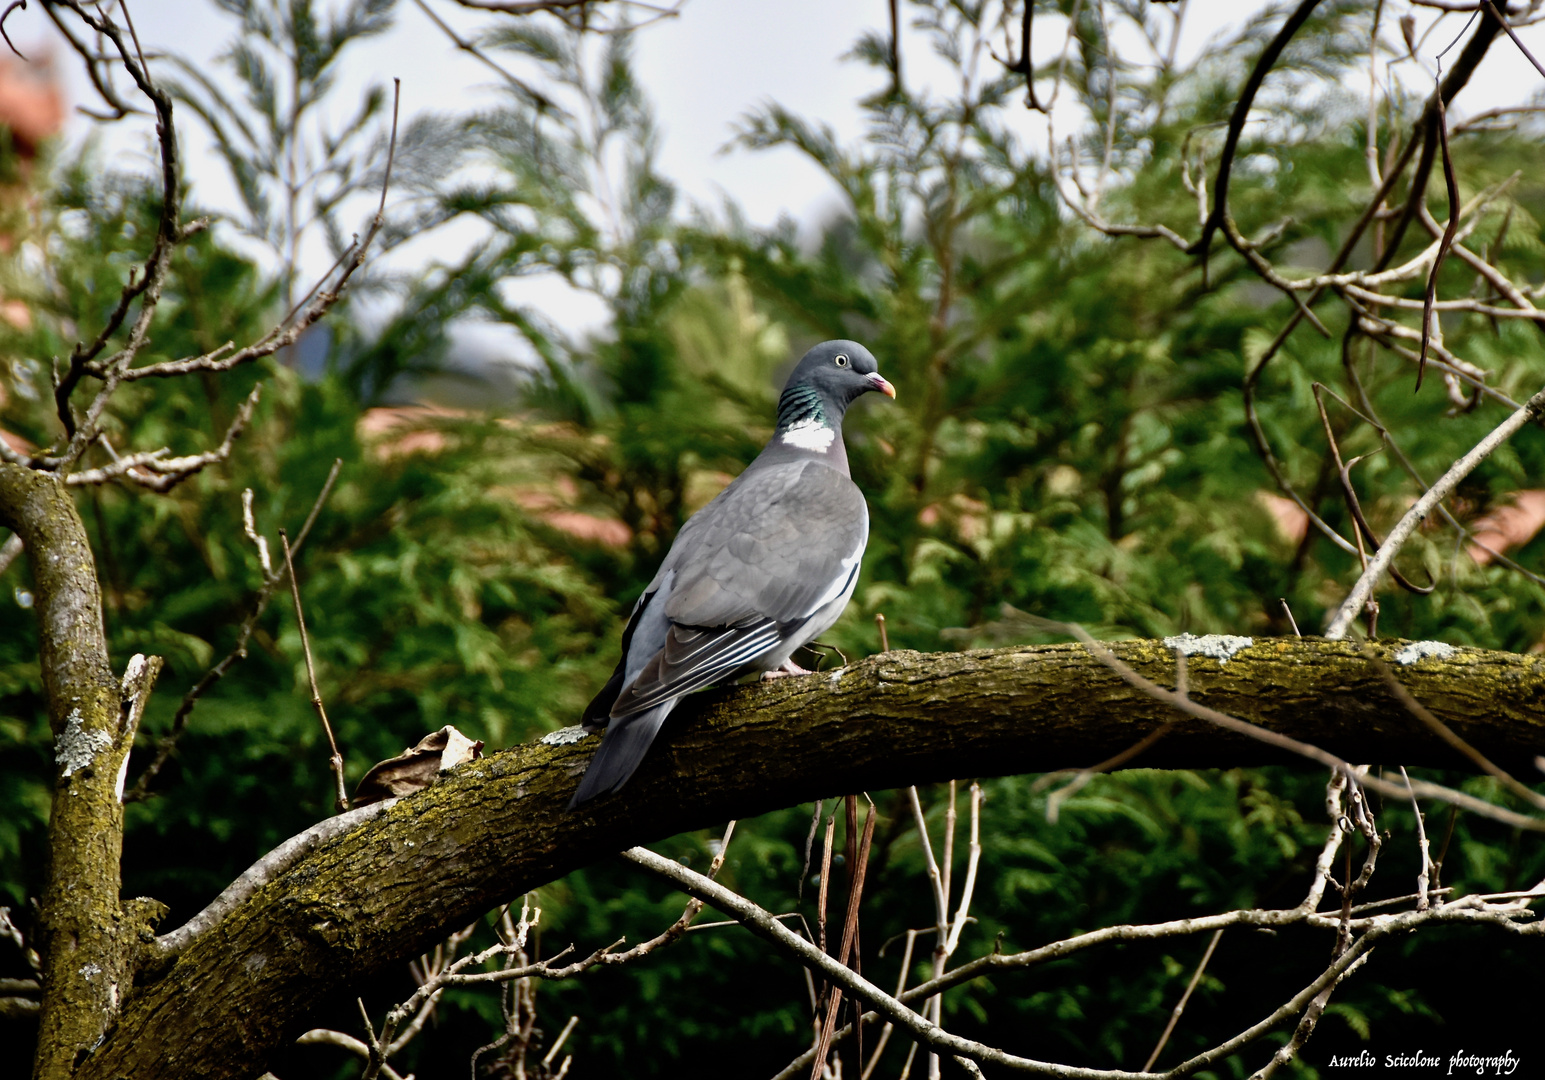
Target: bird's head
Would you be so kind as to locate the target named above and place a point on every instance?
(839, 371)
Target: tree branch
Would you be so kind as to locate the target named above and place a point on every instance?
(1236, 125)
(85, 971)
(1528, 412)
(388, 889)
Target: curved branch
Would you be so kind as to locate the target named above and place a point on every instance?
(496, 827)
(1236, 123)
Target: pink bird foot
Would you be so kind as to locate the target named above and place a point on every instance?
(788, 668)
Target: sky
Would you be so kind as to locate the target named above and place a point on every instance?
(704, 69)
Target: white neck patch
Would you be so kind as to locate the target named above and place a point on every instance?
(809, 434)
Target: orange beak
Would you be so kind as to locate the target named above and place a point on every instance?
(878, 382)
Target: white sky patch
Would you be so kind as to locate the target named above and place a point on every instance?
(809, 435)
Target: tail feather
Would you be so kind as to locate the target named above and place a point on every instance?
(623, 747)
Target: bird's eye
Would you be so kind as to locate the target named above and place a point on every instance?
(842, 361)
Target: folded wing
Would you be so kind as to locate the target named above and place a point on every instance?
(746, 574)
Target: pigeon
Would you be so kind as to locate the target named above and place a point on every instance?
(765, 567)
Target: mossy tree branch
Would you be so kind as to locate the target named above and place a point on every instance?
(496, 827)
(81, 925)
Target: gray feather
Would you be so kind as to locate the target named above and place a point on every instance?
(761, 570)
(622, 749)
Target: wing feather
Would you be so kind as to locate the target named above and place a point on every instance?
(727, 650)
(746, 572)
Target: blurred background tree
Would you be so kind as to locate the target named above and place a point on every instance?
(1069, 440)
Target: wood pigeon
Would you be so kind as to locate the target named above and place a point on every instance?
(762, 569)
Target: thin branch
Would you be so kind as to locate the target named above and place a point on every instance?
(563, 1036)
(271, 582)
(82, 433)
(901, 984)
(1491, 7)
(1312, 1013)
(453, 975)
(849, 935)
(9, 550)
(541, 100)
(1424, 875)
(289, 329)
(762, 924)
(815, 824)
(1180, 1006)
(1469, 60)
(1363, 589)
(1263, 65)
(941, 902)
(157, 472)
(1082, 777)
(336, 760)
(327, 1037)
(1452, 185)
(1363, 530)
(6, 14)
(826, 873)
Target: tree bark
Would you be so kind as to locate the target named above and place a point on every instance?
(84, 935)
(496, 827)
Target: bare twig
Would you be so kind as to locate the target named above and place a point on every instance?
(531, 93)
(973, 859)
(328, 1037)
(826, 873)
(1363, 589)
(1241, 113)
(1464, 67)
(6, 14)
(271, 582)
(1508, 916)
(849, 936)
(403, 1022)
(1082, 777)
(1452, 185)
(511, 947)
(9, 550)
(336, 759)
(563, 1036)
(1306, 1025)
(157, 472)
(1180, 1006)
(901, 984)
(1424, 876)
(1363, 530)
(815, 824)
(426, 969)
(1507, 27)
